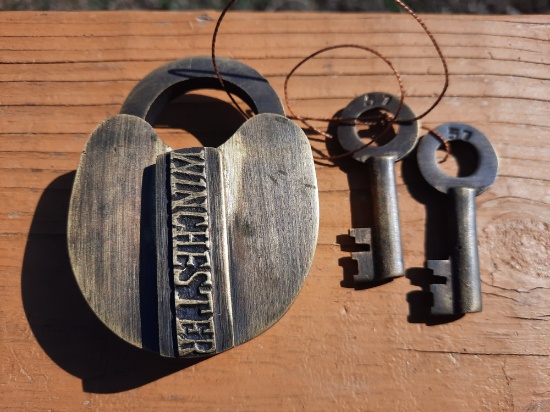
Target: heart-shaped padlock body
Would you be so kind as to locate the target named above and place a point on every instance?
(194, 251)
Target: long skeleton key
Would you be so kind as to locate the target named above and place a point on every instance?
(384, 260)
(461, 292)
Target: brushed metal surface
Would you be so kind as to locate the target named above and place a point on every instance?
(272, 217)
(217, 206)
(163, 252)
(104, 228)
(135, 256)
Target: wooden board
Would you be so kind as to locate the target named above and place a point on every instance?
(337, 348)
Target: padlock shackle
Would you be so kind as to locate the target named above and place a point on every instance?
(162, 85)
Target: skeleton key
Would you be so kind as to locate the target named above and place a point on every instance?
(384, 260)
(461, 292)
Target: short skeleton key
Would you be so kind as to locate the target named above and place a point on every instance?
(461, 292)
(384, 260)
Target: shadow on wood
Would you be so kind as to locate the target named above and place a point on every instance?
(61, 320)
(421, 301)
(436, 244)
(211, 120)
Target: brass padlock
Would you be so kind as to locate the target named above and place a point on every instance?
(192, 252)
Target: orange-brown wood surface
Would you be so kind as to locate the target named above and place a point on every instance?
(337, 348)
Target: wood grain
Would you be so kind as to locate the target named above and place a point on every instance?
(337, 348)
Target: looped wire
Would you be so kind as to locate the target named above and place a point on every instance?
(385, 120)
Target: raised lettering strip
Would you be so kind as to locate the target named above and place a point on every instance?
(192, 271)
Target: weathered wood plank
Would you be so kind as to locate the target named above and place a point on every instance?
(337, 348)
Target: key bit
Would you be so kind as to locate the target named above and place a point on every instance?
(385, 258)
(457, 286)
(364, 259)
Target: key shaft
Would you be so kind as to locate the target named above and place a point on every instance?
(386, 233)
(461, 292)
(464, 253)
